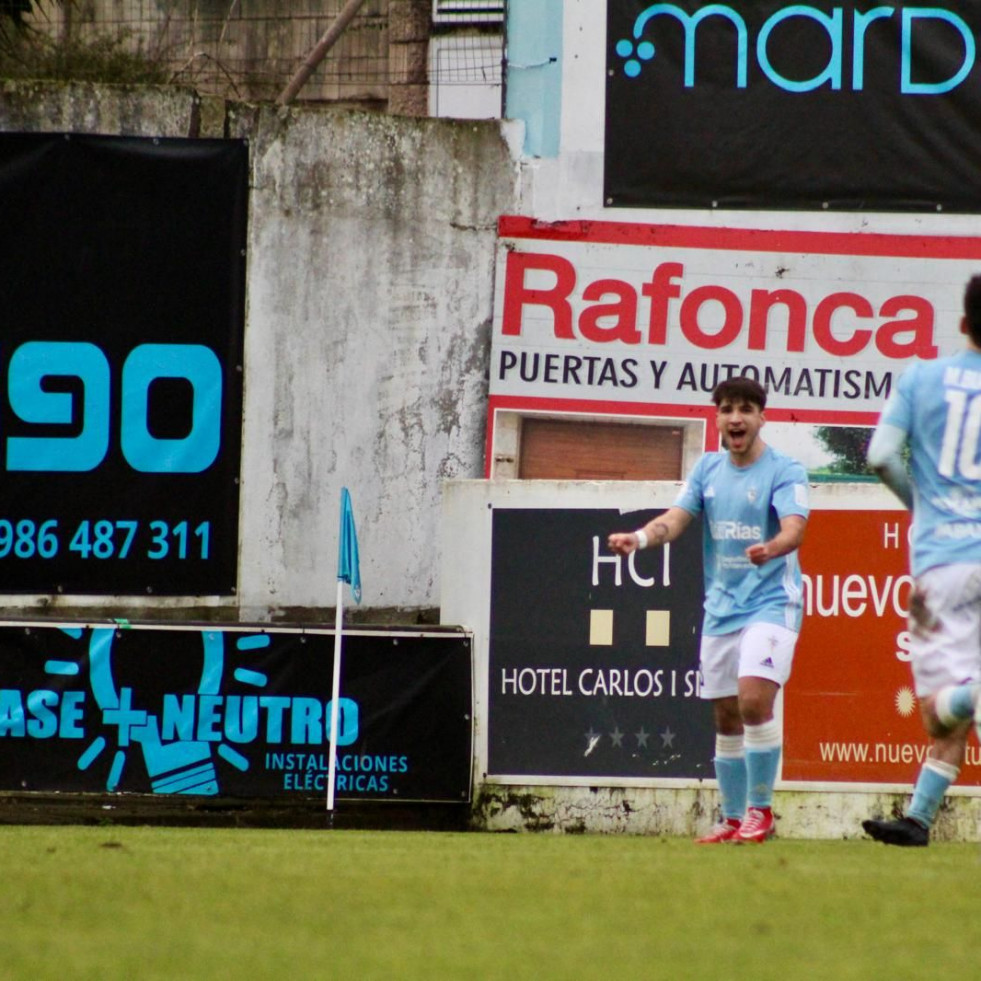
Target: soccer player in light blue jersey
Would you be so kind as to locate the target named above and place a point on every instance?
(935, 410)
(754, 503)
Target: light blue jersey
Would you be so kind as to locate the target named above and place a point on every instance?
(938, 405)
(742, 506)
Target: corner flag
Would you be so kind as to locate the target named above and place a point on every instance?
(348, 566)
(348, 571)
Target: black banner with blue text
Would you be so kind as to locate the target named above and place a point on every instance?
(122, 297)
(767, 104)
(594, 657)
(234, 712)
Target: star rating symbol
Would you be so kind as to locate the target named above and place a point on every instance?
(592, 740)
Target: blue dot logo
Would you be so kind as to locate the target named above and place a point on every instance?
(625, 49)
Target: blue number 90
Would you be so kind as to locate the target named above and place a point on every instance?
(35, 361)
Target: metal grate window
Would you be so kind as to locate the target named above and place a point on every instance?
(465, 76)
(468, 11)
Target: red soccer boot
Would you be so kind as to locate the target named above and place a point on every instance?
(725, 830)
(757, 826)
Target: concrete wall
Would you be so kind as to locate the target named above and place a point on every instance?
(689, 812)
(371, 254)
(370, 302)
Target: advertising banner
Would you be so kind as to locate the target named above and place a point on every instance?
(766, 104)
(122, 297)
(239, 712)
(612, 317)
(594, 657)
(851, 715)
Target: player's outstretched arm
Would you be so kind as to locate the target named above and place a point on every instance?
(789, 537)
(658, 531)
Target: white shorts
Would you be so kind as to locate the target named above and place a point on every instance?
(760, 650)
(945, 624)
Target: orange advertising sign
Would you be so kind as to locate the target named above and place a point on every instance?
(850, 714)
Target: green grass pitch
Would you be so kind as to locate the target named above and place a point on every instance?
(103, 903)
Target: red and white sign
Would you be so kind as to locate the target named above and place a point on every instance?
(620, 318)
(850, 712)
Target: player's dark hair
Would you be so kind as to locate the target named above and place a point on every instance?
(740, 389)
(972, 308)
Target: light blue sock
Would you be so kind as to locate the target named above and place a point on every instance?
(730, 771)
(731, 774)
(761, 771)
(955, 703)
(763, 745)
(931, 785)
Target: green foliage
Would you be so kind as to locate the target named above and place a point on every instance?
(15, 10)
(102, 59)
(165, 903)
(847, 446)
(26, 51)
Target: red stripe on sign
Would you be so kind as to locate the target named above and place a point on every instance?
(743, 239)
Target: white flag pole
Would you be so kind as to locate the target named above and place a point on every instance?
(335, 693)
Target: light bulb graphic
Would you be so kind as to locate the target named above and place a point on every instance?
(174, 766)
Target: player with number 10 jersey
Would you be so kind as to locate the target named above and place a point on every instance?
(935, 414)
(938, 405)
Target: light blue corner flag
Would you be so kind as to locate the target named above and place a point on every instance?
(348, 567)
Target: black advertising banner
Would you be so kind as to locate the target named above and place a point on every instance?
(768, 104)
(594, 657)
(122, 293)
(234, 712)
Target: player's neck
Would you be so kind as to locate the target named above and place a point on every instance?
(750, 455)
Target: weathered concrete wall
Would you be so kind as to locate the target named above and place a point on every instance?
(371, 256)
(689, 812)
(371, 288)
(53, 107)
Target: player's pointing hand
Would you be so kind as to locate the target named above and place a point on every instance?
(623, 543)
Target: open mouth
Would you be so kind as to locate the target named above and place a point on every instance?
(736, 436)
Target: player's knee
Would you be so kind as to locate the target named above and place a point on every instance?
(728, 719)
(936, 729)
(755, 708)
